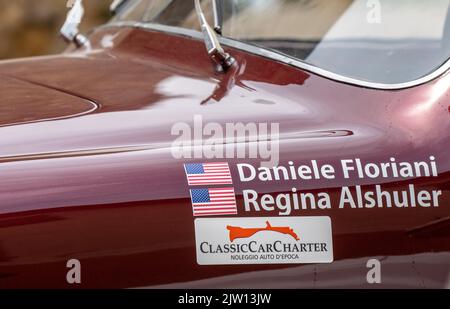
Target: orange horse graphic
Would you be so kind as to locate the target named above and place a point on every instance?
(240, 232)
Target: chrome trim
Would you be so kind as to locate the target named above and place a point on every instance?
(223, 61)
(218, 15)
(283, 58)
(69, 30)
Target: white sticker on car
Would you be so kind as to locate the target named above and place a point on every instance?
(263, 240)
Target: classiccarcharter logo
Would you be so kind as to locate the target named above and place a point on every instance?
(273, 240)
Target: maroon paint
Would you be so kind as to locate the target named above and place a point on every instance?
(100, 185)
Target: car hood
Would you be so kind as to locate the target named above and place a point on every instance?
(134, 85)
(130, 94)
(25, 102)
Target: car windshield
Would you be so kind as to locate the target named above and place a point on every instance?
(379, 41)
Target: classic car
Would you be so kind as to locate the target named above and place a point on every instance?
(307, 146)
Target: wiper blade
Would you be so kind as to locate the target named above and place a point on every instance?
(217, 54)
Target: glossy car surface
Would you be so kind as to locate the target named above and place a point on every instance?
(87, 171)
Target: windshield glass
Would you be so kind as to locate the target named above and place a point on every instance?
(380, 41)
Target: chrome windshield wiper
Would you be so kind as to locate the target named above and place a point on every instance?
(217, 54)
(69, 31)
(218, 15)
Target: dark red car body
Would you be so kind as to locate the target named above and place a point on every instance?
(86, 169)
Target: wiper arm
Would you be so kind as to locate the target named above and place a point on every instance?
(218, 15)
(69, 30)
(217, 54)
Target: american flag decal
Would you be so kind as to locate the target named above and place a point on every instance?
(203, 174)
(211, 202)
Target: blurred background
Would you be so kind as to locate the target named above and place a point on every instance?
(31, 27)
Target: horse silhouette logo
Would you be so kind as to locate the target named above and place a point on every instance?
(241, 232)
